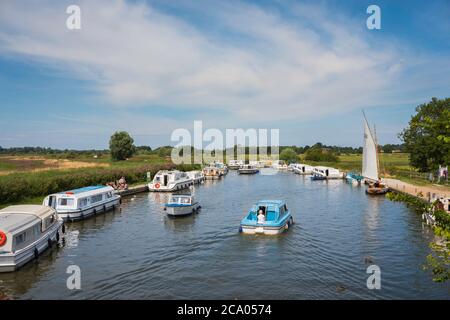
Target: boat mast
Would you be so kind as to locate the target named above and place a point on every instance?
(376, 146)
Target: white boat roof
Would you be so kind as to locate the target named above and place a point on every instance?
(16, 217)
(85, 191)
(166, 172)
(325, 168)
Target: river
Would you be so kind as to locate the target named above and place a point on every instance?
(138, 252)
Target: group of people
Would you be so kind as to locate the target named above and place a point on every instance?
(119, 185)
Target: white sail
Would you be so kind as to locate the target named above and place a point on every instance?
(370, 159)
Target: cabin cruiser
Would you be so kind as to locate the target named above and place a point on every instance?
(267, 217)
(303, 169)
(279, 165)
(25, 232)
(327, 172)
(181, 205)
(223, 169)
(212, 173)
(248, 169)
(170, 180)
(84, 202)
(197, 176)
(257, 163)
(293, 166)
(235, 164)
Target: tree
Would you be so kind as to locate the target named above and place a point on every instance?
(121, 146)
(289, 155)
(427, 137)
(320, 154)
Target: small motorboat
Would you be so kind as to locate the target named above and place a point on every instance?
(317, 176)
(181, 205)
(377, 188)
(247, 169)
(235, 164)
(353, 178)
(267, 217)
(169, 181)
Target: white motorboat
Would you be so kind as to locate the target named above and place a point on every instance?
(197, 176)
(303, 169)
(235, 164)
(327, 172)
(25, 232)
(170, 180)
(84, 202)
(248, 169)
(212, 173)
(181, 205)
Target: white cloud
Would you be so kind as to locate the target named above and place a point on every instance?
(266, 67)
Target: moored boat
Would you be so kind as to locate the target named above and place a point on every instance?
(84, 202)
(279, 165)
(327, 172)
(353, 178)
(197, 176)
(303, 169)
(267, 217)
(318, 177)
(235, 164)
(370, 162)
(25, 232)
(247, 169)
(181, 205)
(170, 180)
(212, 173)
(223, 169)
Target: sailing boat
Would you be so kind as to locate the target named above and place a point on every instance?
(370, 162)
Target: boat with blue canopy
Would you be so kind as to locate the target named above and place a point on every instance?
(353, 178)
(267, 217)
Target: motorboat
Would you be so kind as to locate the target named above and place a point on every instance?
(247, 169)
(197, 176)
(303, 169)
(377, 188)
(235, 164)
(83, 202)
(327, 172)
(181, 205)
(212, 173)
(279, 165)
(318, 177)
(353, 178)
(169, 181)
(25, 232)
(267, 217)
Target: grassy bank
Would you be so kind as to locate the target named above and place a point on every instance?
(29, 186)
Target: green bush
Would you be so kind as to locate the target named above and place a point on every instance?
(320, 154)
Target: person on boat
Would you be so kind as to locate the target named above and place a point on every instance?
(261, 216)
(377, 184)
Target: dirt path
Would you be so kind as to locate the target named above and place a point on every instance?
(428, 193)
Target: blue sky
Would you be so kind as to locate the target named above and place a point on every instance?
(307, 68)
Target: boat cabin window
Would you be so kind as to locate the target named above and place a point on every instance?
(20, 238)
(82, 202)
(48, 222)
(185, 201)
(109, 195)
(96, 198)
(65, 202)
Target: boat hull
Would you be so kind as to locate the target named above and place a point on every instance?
(248, 171)
(12, 261)
(266, 229)
(215, 177)
(175, 187)
(376, 191)
(80, 214)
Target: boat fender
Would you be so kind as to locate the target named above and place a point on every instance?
(286, 226)
(63, 228)
(36, 253)
(104, 207)
(49, 241)
(240, 229)
(57, 236)
(3, 238)
(95, 211)
(120, 200)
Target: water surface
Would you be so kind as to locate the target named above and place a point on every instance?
(138, 252)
